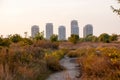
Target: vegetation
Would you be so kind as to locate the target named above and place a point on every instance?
(35, 59)
(74, 38)
(27, 41)
(113, 37)
(75, 53)
(5, 42)
(98, 63)
(54, 38)
(16, 38)
(90, 38)
(53, 58)
(39, 36)
(116, 10)
(104, 38)
(25, 59)
(19, 63)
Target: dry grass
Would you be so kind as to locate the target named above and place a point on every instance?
(53, 58)
(86, 45)
(46, 44)
(100, 67)
(27, 62)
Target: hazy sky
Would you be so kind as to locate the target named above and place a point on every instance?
(17, 16)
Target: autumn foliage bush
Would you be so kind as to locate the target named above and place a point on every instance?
(20, 65)
(76, 53)
(52, 60)
(46, 44)
(100, 64)
(24, 61)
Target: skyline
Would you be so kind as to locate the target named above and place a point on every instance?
(87, 30)
(26, 13)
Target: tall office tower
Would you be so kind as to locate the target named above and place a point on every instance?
(87, 30)
(34, 30)
(49, 30)
(62, 33)
(74, 27)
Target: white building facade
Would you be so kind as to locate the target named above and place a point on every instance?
(49, 30)
(87, 30)
(34, 30)
(74, 27)
(62, 33)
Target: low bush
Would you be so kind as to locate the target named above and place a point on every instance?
(79, 52)
(46, 44)
(105, 66)
(73, 54)
(52, 60)
(23, 63)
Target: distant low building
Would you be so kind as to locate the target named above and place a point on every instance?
(49, 30)
(62, 33)
(87, 30)
(34, 30)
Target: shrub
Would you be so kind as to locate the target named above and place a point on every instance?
(74, 38)
(104, 67)
(54, 38)
(39, 36)
(46, 44)
(53, 58)
(6, 42)
(16, 38)
(104, 38)
(80, 52)
(73, 54)
(88, 38)
(53, 63)
(113, 37)
(27, 41)
(22, 63)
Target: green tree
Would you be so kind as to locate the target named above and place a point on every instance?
(6, 42)
(104, 38)
(74, 38)
(1, 41)
(94, 39)
(88, 38)
(113, 37)
(16, 38)
(116, 10)
(91, 38)
(81, 39)
(39, 36)
(54, 38)
(28, 41)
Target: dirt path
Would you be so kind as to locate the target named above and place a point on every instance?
(69, 74)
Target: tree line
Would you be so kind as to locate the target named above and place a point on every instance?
(104, 37)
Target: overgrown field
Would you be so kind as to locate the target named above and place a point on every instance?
(26, 59)
(98, 63)
(21, 61)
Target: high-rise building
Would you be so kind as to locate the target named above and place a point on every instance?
(34, 30)
(87, 30)
(74, 27)
(49, 30)
(62, 33)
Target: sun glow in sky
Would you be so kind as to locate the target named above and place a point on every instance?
(17, 16)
